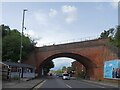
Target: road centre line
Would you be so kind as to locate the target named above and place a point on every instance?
(68, 86)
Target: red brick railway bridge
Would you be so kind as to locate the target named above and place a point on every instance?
(91, 54)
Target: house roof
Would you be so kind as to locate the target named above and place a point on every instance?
(17, 64)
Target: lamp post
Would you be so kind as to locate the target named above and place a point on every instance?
(22, 34)
(21, 46)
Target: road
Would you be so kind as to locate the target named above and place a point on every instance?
(57, 82)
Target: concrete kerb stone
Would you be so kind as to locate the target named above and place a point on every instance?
(36, 85)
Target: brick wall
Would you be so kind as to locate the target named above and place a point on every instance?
(78, 68)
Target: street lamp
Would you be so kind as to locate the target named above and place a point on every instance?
(21, 46)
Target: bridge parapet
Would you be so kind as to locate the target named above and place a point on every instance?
(71, 41)
(83, 44)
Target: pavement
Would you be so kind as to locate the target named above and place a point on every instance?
(23, 84)
(112, 84)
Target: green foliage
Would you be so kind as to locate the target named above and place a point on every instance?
(64, 68)
(11, 41)
(47, 66)
(16, 77)
(82, 74)
(108, 33)
(5, 30)
(113, 34)
(59, 71)
(116, 39)
(69, 69)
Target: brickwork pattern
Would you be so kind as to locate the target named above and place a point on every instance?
(91, 54)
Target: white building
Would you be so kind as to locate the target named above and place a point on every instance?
(11, 70)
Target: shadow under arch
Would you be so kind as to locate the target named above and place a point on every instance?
(89, 64)
(83, 60)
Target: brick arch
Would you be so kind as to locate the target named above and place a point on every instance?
(82, 59)
(89, 64)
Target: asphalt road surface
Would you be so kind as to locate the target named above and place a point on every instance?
(57, 82)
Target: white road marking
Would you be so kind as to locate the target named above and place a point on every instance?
(68, 86)
(38, 86)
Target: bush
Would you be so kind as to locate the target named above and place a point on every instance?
(15, 78)
(82, 74)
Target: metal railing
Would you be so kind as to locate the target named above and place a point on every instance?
(71, 41)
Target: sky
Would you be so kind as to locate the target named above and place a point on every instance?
(62, 61)
(61, 22)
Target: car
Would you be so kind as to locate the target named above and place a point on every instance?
(50, 74)
(66, 76)
(60, 75)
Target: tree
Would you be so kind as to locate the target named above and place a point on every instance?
(117, 37)
(108, 33)
(47, 66)
(113, 34)
(64, 68)
(59, 71)
(5, 30)
(69, 69)
(11, 41)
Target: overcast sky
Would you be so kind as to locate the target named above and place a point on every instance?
(56, 22)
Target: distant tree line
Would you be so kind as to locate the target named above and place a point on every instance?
(113, 34)
(63, 69)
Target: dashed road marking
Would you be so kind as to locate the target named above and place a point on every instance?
(68, 86)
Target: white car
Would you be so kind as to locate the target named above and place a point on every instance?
(66, 76)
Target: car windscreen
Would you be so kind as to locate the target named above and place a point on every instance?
(65, 74)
